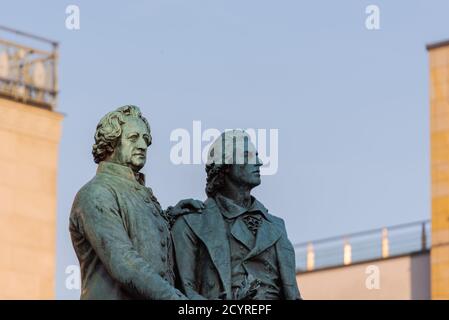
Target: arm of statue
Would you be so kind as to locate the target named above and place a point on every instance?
(105, 231)
(182, 207)
(186, 253)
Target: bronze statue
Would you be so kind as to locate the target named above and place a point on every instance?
(119, 231)
(235, 249)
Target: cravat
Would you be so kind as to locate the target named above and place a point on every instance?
(253, 222)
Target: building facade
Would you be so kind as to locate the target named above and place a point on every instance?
(30, 131)
(439, 132)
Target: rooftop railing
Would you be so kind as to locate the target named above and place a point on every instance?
(363, 246)
(28, 74)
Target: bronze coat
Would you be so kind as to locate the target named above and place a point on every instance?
(122, 242)
(203, 254)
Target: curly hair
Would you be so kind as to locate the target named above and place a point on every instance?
(215, 178)
(109, 130)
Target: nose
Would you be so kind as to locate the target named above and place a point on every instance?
(141, 144)
(259, 162)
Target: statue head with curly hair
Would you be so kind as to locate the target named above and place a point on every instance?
(123, 136)
(233, 163)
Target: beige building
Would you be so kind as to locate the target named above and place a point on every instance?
(387, 263)
(439, 132)
(403, 277)
(30, 131)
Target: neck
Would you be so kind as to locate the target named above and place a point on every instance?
(116, 161)
(241, 195)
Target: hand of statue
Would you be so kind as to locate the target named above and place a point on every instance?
(186, 206)
(248, 290)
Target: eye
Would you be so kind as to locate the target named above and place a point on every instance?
(133, 137)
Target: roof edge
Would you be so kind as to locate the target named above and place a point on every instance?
(436, 45)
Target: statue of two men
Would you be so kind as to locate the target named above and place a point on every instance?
(230, 247)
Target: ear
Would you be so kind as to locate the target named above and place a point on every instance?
(112, 148)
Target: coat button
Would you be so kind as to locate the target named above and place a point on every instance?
(163, 243)
(163, 258)
(161, 228)
(162, 273)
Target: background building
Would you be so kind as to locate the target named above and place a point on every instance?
(399, 262)
(387, 263)
(30, 130)
(439, 119)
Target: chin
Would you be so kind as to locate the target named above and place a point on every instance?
(138, 164)
(256, 182)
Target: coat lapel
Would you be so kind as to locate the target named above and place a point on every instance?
(241, 232)
(267, 235)
(210, 228)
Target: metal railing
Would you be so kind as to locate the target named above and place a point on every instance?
(363, 246)
(27, 73)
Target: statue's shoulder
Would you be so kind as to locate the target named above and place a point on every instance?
(279, 224)
(95, 189)
(277, 221)
(207, 216)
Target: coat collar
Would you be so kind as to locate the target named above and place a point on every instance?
(121, 171)
(231, 210)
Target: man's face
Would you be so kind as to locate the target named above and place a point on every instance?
(131, 149)
(248, 173)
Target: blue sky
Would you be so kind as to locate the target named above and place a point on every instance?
(351, 105)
